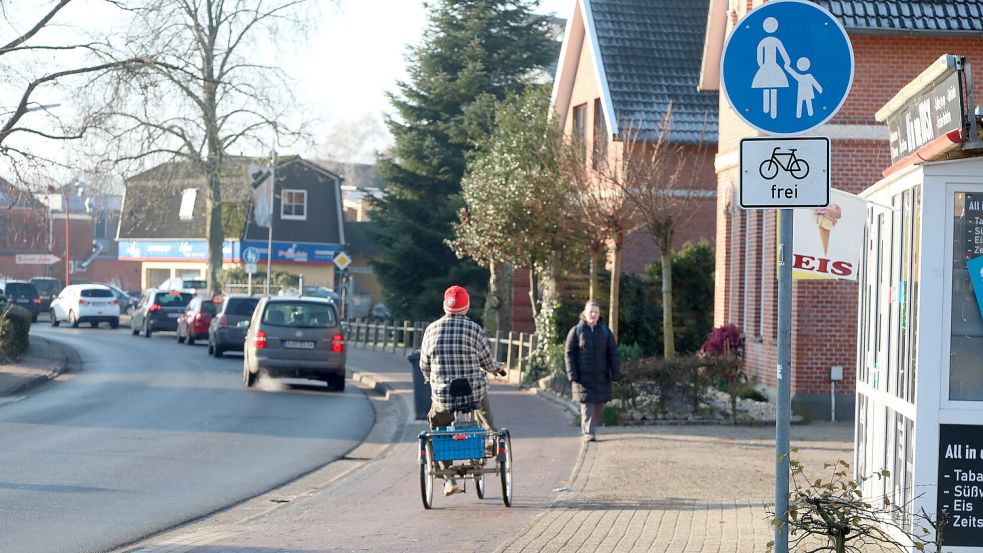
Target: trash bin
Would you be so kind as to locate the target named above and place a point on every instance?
(421, 389)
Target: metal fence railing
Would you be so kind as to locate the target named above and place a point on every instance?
(512, 349)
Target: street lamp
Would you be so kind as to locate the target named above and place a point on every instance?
(38, 107)
(68, 254)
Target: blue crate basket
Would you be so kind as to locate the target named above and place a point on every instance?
(456, 444)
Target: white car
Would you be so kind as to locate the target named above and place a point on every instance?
(194, 286)
(85, 303)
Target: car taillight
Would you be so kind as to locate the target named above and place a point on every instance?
(155, 307)
(37, 301)
(223, 321)
(338, 343)
(81, 301)
(260, 339)
(113, 302)
(198, 316)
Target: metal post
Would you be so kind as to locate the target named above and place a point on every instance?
(782, 448)
(269, 236)
(300, 285)
(68, 250)
(250, 291)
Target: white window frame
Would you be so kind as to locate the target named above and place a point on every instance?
(187, 209)
(283, 204)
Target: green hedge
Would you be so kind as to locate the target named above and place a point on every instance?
(15, 326)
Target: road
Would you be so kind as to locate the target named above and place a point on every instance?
(151, 434)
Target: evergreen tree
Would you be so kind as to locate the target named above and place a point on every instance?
(474, 52)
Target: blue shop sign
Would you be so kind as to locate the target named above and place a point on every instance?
(295, 252)
(182, 250)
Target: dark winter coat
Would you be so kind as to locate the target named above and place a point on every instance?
(592, 362)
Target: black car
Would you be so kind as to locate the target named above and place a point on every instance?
(22, 293)
(158, 310)
(48, 288)
(223, 332)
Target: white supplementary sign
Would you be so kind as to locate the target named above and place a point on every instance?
(342, 261)
(250, 268)
(36, 259)
(784, 172)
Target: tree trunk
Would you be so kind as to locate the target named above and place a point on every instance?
(214, 233)
(594, 256)
(614, 298)
(492, 312)
(532, 292)
(668, 336)
(508, 274)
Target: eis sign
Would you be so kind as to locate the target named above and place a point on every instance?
(824, 239)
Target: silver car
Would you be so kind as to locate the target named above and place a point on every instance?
(295, 337)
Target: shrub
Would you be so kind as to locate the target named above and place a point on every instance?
(724, 351)
(752, 393)
(15, 326)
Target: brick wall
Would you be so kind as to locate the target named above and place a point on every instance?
(824, 312)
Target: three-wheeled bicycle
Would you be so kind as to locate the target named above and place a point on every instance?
(465, 451)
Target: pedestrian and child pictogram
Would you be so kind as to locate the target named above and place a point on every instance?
(787, 67)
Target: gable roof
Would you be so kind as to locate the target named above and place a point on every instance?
(647, 54)
(13, 197)
(928, 16)
(152, 199)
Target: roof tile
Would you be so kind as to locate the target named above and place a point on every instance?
(907, 15)
(652, 51)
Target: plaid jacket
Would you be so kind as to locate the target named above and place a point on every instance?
(454, 346)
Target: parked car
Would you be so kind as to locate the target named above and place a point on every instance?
(24, 294)
(85, 303)
(192, 286)
(379, 312)
(194, 322)
(295, 338)
(126, 300)
(224, 333)
(48, 288)
(158, 310)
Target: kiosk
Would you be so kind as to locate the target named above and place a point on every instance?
(920, 351)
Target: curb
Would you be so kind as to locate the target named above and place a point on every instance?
(69, 362)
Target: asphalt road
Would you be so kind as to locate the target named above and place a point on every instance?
(151, 434)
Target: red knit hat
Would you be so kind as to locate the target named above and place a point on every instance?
(456, 300)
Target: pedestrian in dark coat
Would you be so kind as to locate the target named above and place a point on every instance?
(592, 365)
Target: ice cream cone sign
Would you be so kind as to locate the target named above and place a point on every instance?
(828, 241)
(826, 219)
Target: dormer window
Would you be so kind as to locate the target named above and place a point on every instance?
(186, 213)
(293, 205)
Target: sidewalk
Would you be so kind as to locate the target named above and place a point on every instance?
(44, 361)
(646, 488)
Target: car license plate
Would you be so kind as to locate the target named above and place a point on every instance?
(173, 315)
(294, 344)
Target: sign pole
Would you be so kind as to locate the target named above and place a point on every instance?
(269, 236)
(783, 417)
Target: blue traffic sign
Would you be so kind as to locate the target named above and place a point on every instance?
(250, 255)
(787, 67)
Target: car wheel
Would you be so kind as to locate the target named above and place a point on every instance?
(191, 338)
(94, 324)
(114, 323)
(146, 328)
(177, 333)
(54, 319)
(248, 378)
(34, 318)
(134, 329)
(217, 351)
(73, 319)
(211, 348)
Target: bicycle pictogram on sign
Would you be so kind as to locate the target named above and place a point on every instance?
(792, 165)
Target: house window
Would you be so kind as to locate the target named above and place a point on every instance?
(580, 124)
(186, 213)
(293, 205)
(599, 157)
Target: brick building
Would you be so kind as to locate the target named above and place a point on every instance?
(623, 64)
(893, 41)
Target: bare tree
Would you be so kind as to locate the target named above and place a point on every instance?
(203, 92)
(33, 67)
(658, 178)
(603, 211)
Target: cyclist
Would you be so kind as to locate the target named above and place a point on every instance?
(455, 347)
